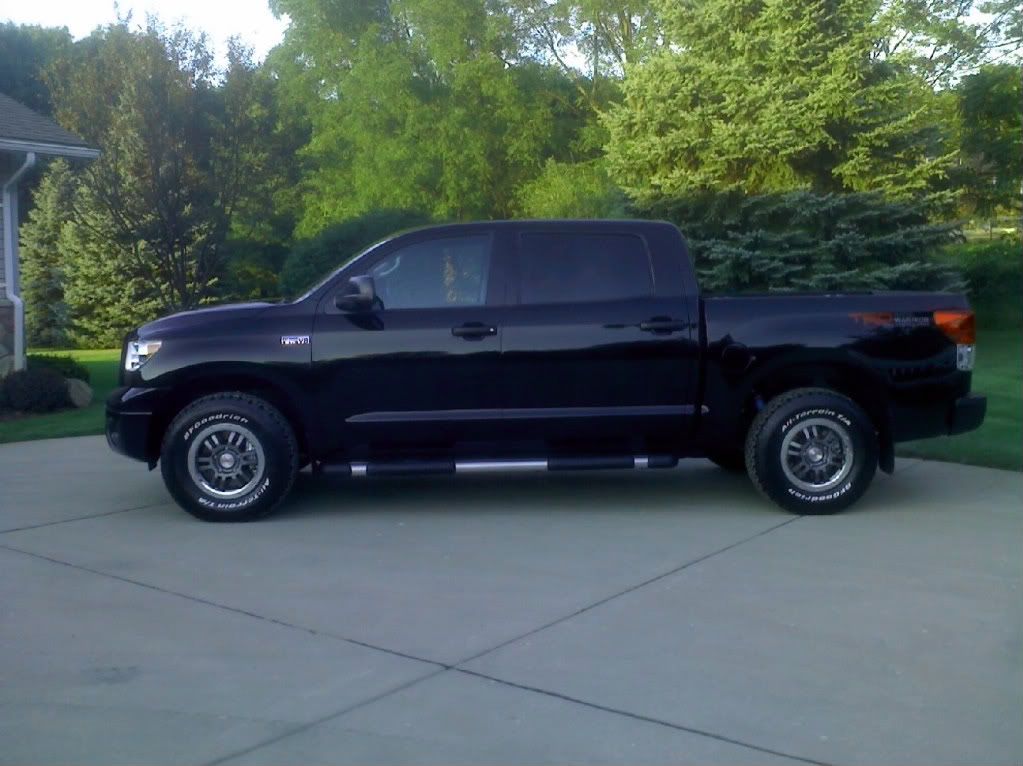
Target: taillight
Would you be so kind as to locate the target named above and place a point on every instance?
(960, 326)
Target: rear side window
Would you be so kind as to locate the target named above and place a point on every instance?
(582, 268)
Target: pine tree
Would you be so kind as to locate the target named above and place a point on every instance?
(810, 241)
(42, 259)
(108, 289)
(763, 96)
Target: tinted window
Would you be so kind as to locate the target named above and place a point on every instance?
(577, 268)
(434, 274)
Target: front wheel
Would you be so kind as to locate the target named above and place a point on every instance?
(229, 457)
(812, 451)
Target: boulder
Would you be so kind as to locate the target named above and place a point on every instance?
(79, 392)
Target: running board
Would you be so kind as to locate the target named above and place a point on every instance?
(428, 467)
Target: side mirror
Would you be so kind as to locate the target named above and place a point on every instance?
(358, 295)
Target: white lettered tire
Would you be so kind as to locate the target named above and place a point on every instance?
(812, 451)
(229, 457)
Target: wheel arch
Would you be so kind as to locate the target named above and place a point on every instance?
(838, 371)
(194, 383)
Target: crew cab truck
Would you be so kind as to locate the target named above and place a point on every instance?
(539, 345)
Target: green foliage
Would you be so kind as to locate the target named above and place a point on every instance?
(253, 269)
(36, 390)
(103, 369)
(314, 258)
(421, 105)
(66, 366)
(108, 285)
(772, 96)
(571, 190)
(993, 271)
(477, 109)
(172, 167)
(42, 260)
(25, 52)
(991, 117)
(807, 241)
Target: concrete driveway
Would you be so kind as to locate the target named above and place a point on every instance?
(658, 618)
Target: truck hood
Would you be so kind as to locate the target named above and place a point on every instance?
(186, 320)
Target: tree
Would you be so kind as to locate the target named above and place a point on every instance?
(264, 217)
(25, 53)
(809, 241)
(591, 41)
(941, 40)
(571, 190)
(315, 258)
(421, 105)
(991, 119)
(766, 95)
(106, 292)
(42, 258)
(173, 165)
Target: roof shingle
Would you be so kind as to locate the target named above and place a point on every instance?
(20, 123)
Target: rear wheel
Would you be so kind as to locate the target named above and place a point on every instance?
(812, 451)
(229, 457)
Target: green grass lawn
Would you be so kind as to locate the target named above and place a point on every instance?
(89, 420)
(998, 443)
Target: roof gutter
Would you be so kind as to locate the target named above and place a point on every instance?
(11, 276)
(40, 147)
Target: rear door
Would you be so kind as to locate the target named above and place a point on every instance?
(599, 351)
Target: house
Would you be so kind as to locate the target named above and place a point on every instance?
(25, 136)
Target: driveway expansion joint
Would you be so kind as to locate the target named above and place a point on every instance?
(641, 717)
(627, 591)
(440, 667)
(302, 728)
(225, 607)
(80, 518)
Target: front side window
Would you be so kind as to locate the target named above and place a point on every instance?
(582, 268)
(437, 273)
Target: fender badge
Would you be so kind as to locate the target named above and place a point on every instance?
(294, 340)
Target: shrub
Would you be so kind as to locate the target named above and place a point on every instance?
(315, 258)
(65, 365)
(993, 271)
(37, 390)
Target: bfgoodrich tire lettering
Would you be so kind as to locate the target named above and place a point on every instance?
(246, 462)
(812, 451)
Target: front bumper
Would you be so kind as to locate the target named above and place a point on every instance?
(130, 424)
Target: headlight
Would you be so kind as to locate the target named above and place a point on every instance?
(140, 352)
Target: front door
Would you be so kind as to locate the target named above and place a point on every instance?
(417, 371)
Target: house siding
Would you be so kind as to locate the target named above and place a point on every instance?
(6, 337)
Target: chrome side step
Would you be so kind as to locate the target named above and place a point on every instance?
(427, 467)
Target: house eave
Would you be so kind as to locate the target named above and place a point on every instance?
(56, 150)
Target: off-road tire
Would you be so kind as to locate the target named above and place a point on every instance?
(786, 412)
(257, 417)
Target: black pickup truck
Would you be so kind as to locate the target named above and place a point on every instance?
(539, 345)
